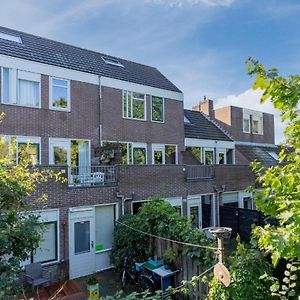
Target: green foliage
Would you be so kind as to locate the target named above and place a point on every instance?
(247, 267)
(133, 296)
(280, 196)
(20, 230)
(159, 218)
(128, 243)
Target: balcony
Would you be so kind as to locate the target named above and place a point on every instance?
(92, 176)
(199, 172)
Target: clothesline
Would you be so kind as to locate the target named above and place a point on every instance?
(166, 239)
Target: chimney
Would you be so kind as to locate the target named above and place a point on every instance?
(206, 106)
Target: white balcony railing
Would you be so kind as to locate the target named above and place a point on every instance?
(92, 176)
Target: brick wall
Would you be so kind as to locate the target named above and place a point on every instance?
(81, 123)
(231, 118)
(116, 128)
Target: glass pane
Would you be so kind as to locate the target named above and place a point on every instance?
(60, 82)
(158, 157)
(221, 158)
(28, 153)
(28, 92)
(139, 156)
(246, 125)
(194, 214)
(208, 157)
(170, 155)
(137, 95)
(255, 126)
(157, 109)
(47, 250)
(124, 154)
(138, 111)
(82, 237)
(124, 104)
(4, 148)
(60, 155)
(105, 216)
(5, 85)
(59, 97)
(129, 112)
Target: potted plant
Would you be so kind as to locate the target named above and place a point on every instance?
(93, 288)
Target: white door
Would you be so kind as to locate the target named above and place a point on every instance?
(81, 242)
(195, 210)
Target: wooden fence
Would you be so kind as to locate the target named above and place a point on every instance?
(187, 266)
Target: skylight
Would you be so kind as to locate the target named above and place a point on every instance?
(274, 155)
(112, 61)
(9, 37)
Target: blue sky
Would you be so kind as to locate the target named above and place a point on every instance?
(200, 45)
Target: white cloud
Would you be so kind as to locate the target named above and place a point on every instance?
(181, 3)
(251, 99)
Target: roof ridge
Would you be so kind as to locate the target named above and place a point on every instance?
(70, 45)
(217, 125)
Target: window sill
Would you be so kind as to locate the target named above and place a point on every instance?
(60, 109)
(134, 119)
(20, 105)
(160, 122)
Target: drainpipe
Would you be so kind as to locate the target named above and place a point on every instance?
(219, 192)
(100, 112)
(122, 200)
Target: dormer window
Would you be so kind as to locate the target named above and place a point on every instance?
(112, 61)
(9, 37)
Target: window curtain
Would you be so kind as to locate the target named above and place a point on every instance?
(83, 158)
(28, 93)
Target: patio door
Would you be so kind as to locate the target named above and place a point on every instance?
(59, 152)
(195, 210)
(81, 242)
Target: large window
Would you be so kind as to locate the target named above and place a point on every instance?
(134, 153)
(105, 216)
(164, 154)
(59, 94)
(21, 88)
(252, 121)
(21, 149)
(48, 248)
(157, 109)
(134, 105)
(208, 156)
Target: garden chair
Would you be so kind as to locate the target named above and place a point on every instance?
(34, 275)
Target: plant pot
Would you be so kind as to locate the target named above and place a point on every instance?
(93, 290)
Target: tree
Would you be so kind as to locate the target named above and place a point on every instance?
(280, 196)
(20, 229)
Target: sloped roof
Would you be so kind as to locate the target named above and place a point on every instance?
(200, 127)
(257, 153)
(38, 49)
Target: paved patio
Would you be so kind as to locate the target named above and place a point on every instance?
(109, 283)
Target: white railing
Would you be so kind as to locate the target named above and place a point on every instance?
(92, 175)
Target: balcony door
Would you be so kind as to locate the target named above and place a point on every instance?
(59, 152)
(195, 210)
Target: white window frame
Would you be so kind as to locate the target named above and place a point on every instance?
(139, 145)
(25, 140)
(68, 108)
(221, 151)
(246, 117)
(65, 142)
(162, 147)
(47, 216)
(260, 124)
(29, 76)
(163, 99)
(131, 106)
(175, 201)
(213, 155)
(116, 209)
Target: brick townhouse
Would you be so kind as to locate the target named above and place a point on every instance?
(116, 130)
(251, 130)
